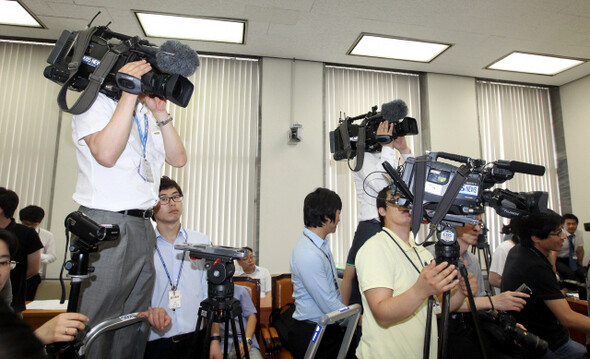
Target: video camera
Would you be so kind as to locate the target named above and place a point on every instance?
(431, 180)
(349, 140)
(89, 61)
(89, 232)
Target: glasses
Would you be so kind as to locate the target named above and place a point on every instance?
(250, 257)
(557, 233)
(166, 200)
(11, 264)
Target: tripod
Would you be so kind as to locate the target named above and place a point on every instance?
(448, 250)
(79, 270)
(220, 307)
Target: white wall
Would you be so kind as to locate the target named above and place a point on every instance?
(576, 123)
(288, 172)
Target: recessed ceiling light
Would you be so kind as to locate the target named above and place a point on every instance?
(192, 28)
(13, 13)
(397, 49)
(534, 64)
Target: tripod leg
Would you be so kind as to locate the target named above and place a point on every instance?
(444, 326)
(473, 310)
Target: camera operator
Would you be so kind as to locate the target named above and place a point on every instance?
(547, 313)
(120, 150)
(369, 223)
(396, 277)
(462, 338)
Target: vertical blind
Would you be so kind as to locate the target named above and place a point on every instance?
(351, 92)
(515, 124)
(219, 129)
(28, 124)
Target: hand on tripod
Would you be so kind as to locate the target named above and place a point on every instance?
(435, 279)
(62, 328)
(157, 317)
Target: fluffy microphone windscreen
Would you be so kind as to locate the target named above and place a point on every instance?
(177, 58)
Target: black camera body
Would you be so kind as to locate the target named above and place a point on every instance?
(77, 55)
(474, 194)
(346, 138)
(88, 231)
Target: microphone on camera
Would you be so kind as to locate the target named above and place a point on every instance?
(527, 168)
(394, 111)
(177, 58)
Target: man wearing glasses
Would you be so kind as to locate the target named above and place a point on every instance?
(247, 267)
(547, 313)
(181, 283)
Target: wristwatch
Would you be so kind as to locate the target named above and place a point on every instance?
(160, 124)
(249, 340)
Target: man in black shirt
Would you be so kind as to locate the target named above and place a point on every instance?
(28, 254)
(547, 313)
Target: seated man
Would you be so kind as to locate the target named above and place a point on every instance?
(396, 278)
(570, 259)
(32, 216)
(247, 267)
(547, 313)
(316, 289)
(249, 321)
(181, 283)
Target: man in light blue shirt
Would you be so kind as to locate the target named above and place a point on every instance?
(181, 283)
(315, 282)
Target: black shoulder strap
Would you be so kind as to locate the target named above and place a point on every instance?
(96, 79)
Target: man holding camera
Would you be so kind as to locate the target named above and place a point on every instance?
(396, 277)
(121, 149)
(369, 223)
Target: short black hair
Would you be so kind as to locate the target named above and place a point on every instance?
(167, 183)
(320, 204)
(538, 225)
(382, 202)
(34, 214)
(11, 241)
(513, 228)
(8, 202)
(570, 216)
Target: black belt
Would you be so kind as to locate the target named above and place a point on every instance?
(181, 337)
(141, 213)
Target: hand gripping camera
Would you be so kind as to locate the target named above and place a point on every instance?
(88, 61)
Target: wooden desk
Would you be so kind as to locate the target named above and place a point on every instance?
(579, 306)
(37, 317)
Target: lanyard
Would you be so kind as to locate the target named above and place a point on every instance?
(174, 287)
(405, 254)
(330, 261)
(142, 136)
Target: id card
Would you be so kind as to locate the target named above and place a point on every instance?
(145, 171)
(174, 299)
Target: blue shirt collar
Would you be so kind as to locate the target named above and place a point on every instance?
(181, 237)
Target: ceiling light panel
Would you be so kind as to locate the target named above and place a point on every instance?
(13, 13)
(398, 49)
(535, 64)
(192, 28)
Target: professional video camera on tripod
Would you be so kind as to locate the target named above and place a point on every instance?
(447, 196)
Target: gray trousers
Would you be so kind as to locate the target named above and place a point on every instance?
(122, 282)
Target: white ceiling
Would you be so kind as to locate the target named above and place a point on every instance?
(481, 31)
